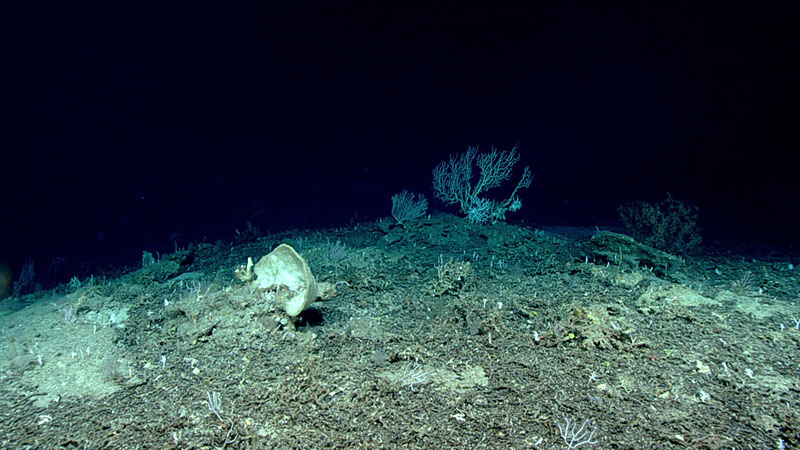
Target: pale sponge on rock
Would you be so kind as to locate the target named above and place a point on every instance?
(286, 273)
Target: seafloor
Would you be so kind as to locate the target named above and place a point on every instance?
(439, 335)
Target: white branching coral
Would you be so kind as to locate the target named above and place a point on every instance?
(453, 183)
